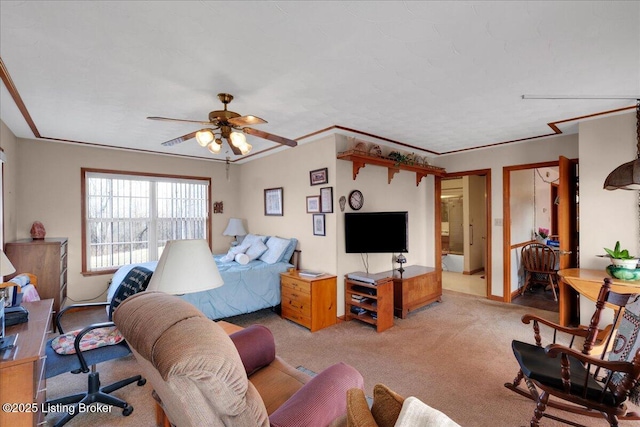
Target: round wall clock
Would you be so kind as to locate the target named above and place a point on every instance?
(356, 200)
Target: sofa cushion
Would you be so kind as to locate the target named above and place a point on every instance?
(358, 412)
(387, 405)
(417, 413)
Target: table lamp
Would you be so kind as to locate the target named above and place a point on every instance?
(6, 268)
(235, 229)
(185, 266)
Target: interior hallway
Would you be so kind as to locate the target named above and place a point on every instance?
(473, 284)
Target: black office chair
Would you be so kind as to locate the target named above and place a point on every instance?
(85, 361)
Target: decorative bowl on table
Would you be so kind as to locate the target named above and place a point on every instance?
(622, 273)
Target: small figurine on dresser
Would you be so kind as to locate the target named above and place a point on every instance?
(37, 231)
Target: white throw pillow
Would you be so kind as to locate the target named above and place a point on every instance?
(242, 259)
(276, 247)
(252, 238)
(414, 412)
(256, 249)
(235, 250)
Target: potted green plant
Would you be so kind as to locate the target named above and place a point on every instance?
(621, 257)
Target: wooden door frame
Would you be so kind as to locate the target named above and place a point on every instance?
(438, 222)
(506, 224)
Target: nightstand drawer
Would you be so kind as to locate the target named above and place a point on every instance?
(297, 301)
(296, 316)
(295, 285)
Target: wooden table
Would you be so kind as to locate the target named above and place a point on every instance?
(585, 282)
(416, 287)
(22, 368)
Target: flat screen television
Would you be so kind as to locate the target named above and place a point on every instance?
(376, 232)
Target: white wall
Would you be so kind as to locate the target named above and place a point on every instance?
(48, 187)
(605, 216)
(496, 158)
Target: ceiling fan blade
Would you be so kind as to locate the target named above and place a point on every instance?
(271, 137)
(179, 139)
(235, 149)
(246, 121)
(166, 119)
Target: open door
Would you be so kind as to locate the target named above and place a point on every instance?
(568, 236)
(568, 214)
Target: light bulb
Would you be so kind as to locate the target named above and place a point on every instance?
(204, 137)
(244, 149)
(238, 139)
(215, 146)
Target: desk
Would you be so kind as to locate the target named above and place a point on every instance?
(22, 368)
(588, 283)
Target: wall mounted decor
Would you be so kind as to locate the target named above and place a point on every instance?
(273, 201)
(319, 176)
(356, 200)
(343, 203)
(218, 207)
(326, 200)
(318, 225)
(313, 204)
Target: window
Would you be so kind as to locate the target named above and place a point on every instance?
(128, 218)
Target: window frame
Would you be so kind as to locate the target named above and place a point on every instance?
(84, 171)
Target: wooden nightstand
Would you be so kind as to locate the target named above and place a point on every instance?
(309, 301)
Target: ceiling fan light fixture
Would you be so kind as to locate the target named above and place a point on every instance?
(245, 149)
(215, 146)
(627, 175)
(204, 137)
(238, 139)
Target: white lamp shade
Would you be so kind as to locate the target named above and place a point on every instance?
(234, 228)
(238, 139)
(186, 266)
(6, 267)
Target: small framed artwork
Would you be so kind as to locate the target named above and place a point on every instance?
(313, 204)
(318, 225)
(218, 207)
(273, 202)
(326, 200)
(319, 176)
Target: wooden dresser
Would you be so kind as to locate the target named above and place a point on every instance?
(47, 259)
(309, 301)
(22, 380)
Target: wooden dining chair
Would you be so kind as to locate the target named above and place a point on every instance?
(539, 264)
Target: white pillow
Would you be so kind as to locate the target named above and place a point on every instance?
(414, 412)
(256, 249)
(242, 259)
(252, 238)
(235, 250)
(276, 247)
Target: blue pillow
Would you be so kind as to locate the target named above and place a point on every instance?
(136, 280)
(286, 255)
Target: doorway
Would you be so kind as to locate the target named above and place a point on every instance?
(539, 196)
(464, 232)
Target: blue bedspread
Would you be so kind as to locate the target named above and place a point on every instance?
(247, 288)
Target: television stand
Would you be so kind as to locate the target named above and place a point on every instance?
(371, 302)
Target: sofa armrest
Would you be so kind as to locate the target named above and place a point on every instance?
(321, 400)
(255, 346)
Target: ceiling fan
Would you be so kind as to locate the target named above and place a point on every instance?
(228, 125)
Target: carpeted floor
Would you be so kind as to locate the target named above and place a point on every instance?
(455, 356)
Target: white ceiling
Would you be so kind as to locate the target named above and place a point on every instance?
(436, 76)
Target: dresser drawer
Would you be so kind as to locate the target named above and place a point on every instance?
(296, 301)
(296, 316)
(295, 285)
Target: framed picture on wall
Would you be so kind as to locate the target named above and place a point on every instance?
(273, 202)
(319, 176)
(326, 200)
(313, 204)
(318, 225)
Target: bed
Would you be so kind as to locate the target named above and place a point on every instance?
(247, 288)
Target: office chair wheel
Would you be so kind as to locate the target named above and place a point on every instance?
(141, 382)
(127, 410)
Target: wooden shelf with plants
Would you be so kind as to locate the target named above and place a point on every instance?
(377, 302)
(360, 159)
